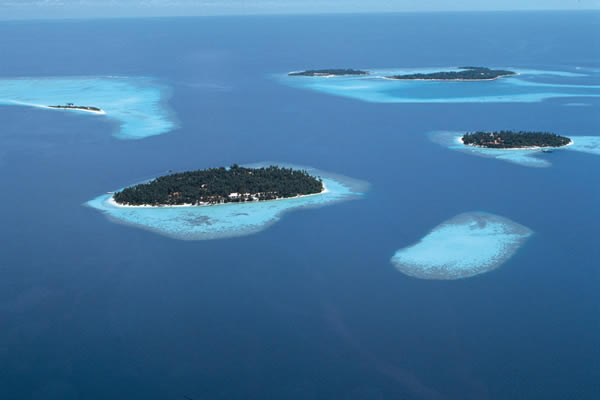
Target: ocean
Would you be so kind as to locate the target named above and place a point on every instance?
(311, 307)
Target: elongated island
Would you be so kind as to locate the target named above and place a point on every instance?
(514, 140)
(329, 72)
(71, 106)
(467, 73)
(221, 185)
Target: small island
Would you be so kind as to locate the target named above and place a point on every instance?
(329, 72)
(221, 185)
(71, 106)
(467, 73)
(514, 140)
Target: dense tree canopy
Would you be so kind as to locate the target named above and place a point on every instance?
(464, 73)
(221, 185)
(514, 140)
(325, 72)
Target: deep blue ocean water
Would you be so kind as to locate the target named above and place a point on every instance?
(310, 308)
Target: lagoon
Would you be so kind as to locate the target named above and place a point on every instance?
(529, 86)
(137, 105)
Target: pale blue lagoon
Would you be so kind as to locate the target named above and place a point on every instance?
(526, 157)
(227, 220)
(530, 85)
(137, 105)
(463, 246)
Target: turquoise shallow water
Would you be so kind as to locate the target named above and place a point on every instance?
(226, 220)
(525, 157)
(463, 246)
(529, 86)
(137, 104)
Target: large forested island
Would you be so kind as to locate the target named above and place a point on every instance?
(514, 140)
(221, 185)
(329, 72)
(71, 106)
(462, 74)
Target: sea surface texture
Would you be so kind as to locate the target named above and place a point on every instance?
(98, 303)
(463, 246)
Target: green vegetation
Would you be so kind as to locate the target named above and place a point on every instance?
(463, 74)
(327, 72)
(221, 185)
(514, 140)
(71, 106)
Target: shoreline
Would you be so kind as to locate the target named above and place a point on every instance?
(101, 112)
(448, 80)
(111, 201)
(459, 139)
(22, 103)
(326, 76)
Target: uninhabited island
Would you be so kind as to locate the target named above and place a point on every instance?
(221, 185)
(514, 140)
(329, 72)
(71, 106)
(467, 73)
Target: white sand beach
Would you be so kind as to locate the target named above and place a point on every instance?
(112, 202)
(459, 139)
(22, 103)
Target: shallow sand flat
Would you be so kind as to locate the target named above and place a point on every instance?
(463, 246)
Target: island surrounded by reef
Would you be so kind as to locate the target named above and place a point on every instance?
(514, 140)
(71, 106)
(329, 72)
(467, 73)
(221, 185)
